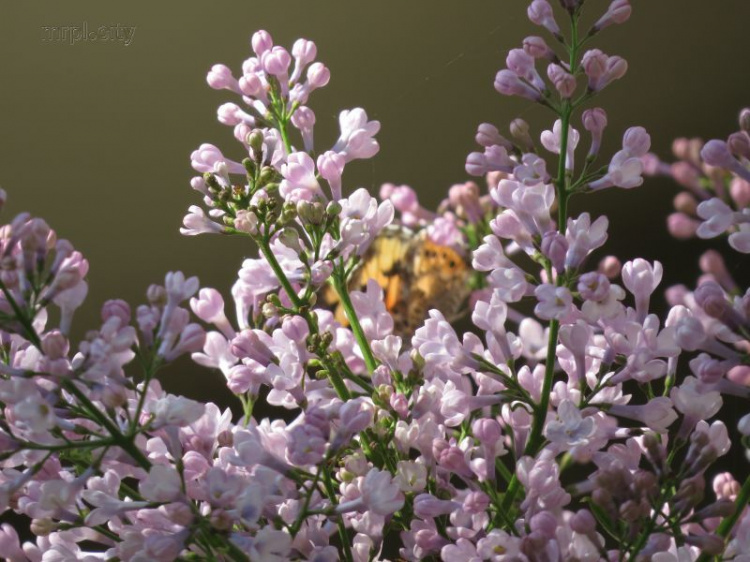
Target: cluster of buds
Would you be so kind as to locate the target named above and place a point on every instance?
(715, 178)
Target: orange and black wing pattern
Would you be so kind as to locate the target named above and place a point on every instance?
(416, 275)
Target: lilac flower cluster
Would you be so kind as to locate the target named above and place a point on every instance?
(715, 178)
(587, 429)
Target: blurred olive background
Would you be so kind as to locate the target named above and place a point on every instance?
(96, 136)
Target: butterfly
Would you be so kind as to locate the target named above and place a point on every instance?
(416, 275)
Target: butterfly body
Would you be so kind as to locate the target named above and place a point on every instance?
(416, 275)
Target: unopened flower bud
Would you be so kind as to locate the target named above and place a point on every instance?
(276, 61)
(255, 140)
(712, 262)
(654, 450)
(156, 295)
(708, 544)
(488, 135)
(555, 248)
(685, 203)
(312, 213)
(221, 520)
(583, 522)
(725, 486)
(698, 441)
(247, 222)
(289, 237)
(318, 75)
(326, 339)
(55, 345)
(610, 266)
(745, 119)
(42, 527)
(595, 121)
(570, 5)
(333, 209)
(682, 226)
(540, 12)
(249, 165)
(686, 175)
(487, 430)
(564, 81)
(269, 310)
(712, 299)
(509, 84)
(739, 190)
(116, 307)
(537, 48)
(618, 12)
(602, 498)
(519, 129)
(680, 148)
(636, 141)
(705, 459)
(630, 510)
(179, 513)
(266, 175)
(304, 50)
(646, 484)
(720, 508)
(716, 153)
(544, 523)
(689, 494)
(739, 144)
(476, 502)
(744, 425)
(385, 392)
(740, 374)
(225, 438)
(261, 42)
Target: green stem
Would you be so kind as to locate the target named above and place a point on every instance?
(31, 334)
(119, 440)
(303, 513)
(281, 126)
(574, 45)
(510, 493)
(247, 406)
(148, 374)
(648, 530)
(334, 376)
(503, 470)
(68, 446)
(359, 334)
(338, 384)
(220, 542)
(233, 551)
(562, 192)
(540, 412)
(280, 275)
(343, 535)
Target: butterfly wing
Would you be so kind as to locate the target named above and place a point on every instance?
(416, 275)
(386, 261)
(440, 281)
